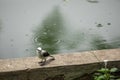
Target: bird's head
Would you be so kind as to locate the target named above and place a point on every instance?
(39, 49)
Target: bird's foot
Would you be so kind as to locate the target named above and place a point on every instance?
(52, 58)
(42, 64)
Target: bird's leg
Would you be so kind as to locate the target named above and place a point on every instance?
(43, 62)
(53, 58)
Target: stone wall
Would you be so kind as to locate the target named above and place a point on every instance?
(72, 66)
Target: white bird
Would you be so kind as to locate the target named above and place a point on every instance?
(42, 54)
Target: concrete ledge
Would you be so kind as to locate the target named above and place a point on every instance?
(65, 67)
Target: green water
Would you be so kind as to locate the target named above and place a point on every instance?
(49, 32)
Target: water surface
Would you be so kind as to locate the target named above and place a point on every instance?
(58, 26)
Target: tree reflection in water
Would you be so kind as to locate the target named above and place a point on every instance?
(48, 33)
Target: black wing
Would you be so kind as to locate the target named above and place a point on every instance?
(45, 54)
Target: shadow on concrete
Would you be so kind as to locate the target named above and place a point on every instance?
(47, 62)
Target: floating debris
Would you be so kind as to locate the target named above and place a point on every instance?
(99, 25)
(108, 23)
(93, 1)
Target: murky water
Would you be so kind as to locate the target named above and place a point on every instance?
(58, 26)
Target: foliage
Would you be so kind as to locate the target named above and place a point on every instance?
(106, 74)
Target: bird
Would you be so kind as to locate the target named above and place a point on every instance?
(43, 54)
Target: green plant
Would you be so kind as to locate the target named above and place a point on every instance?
(106, 73)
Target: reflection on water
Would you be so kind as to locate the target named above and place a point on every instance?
(75, 25)
(48, 33)
(53, 36)
(99, 43)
